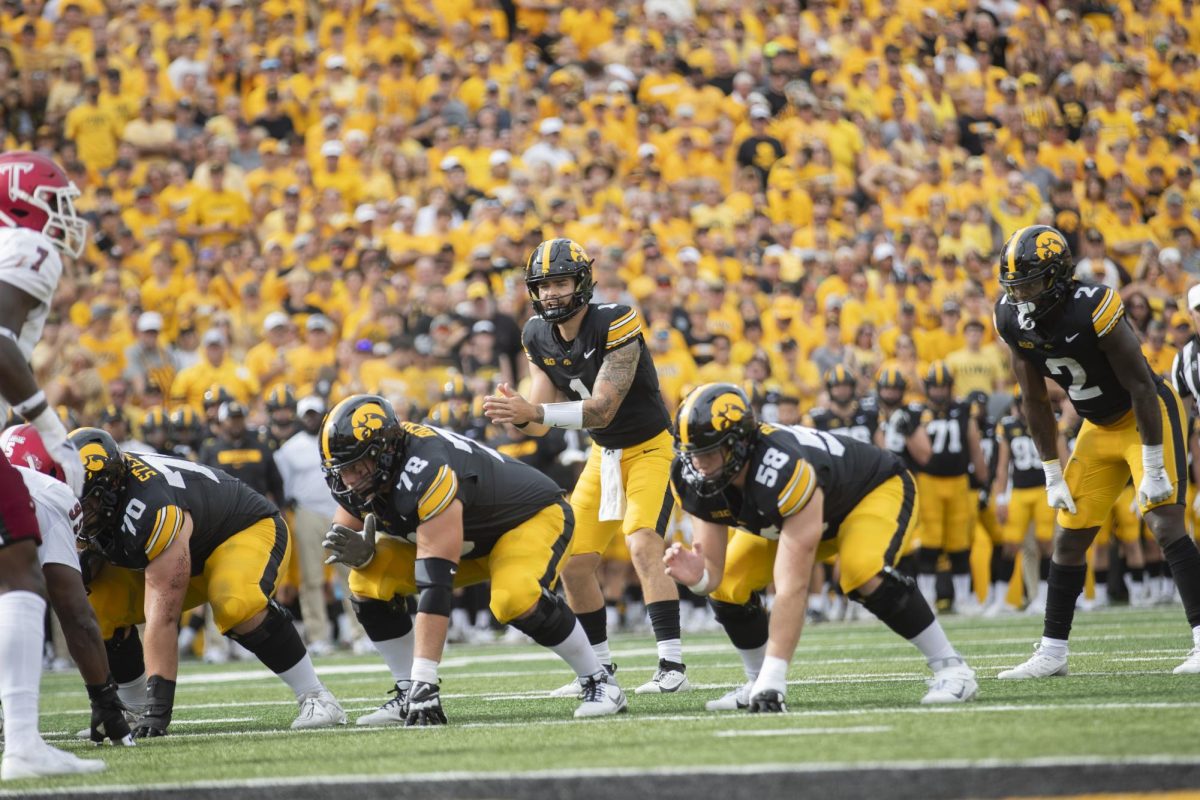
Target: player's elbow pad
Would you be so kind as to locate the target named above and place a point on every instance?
(435, 582)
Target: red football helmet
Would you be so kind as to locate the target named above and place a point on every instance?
(23, 446)
(36, 194)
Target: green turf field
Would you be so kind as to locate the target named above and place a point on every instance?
(854, 699)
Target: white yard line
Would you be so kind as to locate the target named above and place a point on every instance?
(1065, 762)
(804, 731)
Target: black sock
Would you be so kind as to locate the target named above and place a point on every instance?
(1166, 568)
(1154, 569)
(1101, 577)
(1137, 574)
(1044, 568)
(1185, 566)
(595, 625)
(1002, 566)
(927, 560)
(664, 619)
(1064, 586)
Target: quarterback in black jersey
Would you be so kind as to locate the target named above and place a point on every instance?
(175, 535)
(795, 495)
(845, 415)
(450, 512)
(1076, 334)
(590, 369)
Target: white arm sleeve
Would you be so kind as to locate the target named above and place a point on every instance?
(58, 516)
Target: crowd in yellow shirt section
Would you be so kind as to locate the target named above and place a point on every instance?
(340, 195)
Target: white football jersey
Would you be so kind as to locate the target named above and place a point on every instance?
(59, 517)
(30, 262)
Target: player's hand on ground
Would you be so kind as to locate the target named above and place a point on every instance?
(424, 705)
(350, 547)
(506, 406)
(160, 699)
(108, 715)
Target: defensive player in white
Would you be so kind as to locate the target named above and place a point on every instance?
(37, 225)
(60, 518)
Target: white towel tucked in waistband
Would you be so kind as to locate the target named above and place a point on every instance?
(612, 492)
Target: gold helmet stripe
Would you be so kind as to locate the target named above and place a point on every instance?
(547, 246)
(686, 412)
(1012, 249)
(325, 453)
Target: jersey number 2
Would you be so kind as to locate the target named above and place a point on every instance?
(1078, 390)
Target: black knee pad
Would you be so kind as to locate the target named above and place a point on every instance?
(550, 623)
(960, 562)
(275, 641)
(898, 604)
(125, 659)
(383, 620)
(746, 626)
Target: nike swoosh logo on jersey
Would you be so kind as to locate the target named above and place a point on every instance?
(1071, 338)
(588, 354)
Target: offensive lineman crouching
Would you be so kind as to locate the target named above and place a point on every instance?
(795, 494)
(453, 513)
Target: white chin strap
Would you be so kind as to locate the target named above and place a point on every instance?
(1024, 315)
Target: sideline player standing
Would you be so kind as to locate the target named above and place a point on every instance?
(37, 223)
(593, 357)
(1076, 334)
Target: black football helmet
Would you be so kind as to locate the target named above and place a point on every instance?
(838, 375)
(559, 258)
(1036, 269)
(214, 396)
(186, 427)
(715, 416)
(361, 426)
(456, 389)
(105, 473)
(281, 397)
(893, 382)
(939, 377)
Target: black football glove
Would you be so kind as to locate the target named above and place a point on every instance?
(160, 699)
(902, 422)
(424, 705)
(108, 714)
(768, 701)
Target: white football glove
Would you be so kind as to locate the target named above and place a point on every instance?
(1156, 483)
(1057, 493)
(353, 548)
(60, 448)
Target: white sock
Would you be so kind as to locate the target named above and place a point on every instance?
(612, 617)
(186, 637)
(459, 618)
(483, 619)
(936, 648)
(1196, 636)
(927, 585)
(579, 653)
(1101, 593)
(818, 602)
(398, 655)
(671, 650)
(1043, 591)
(962, 587)
(752, 660)
(133, 693)
(22, 618)
(1000, 592)
(302, 677)
(1054, 647)
(603, 654)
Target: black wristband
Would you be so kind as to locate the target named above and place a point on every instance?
(521, 425)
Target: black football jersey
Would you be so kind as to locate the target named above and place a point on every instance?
(1024, 462)
(947, 431)
(787, 463)
(859, 424)
(573, 366)
(894, 441)
(987, 445)
(438, 466)
(159, 489)
(1067, 350)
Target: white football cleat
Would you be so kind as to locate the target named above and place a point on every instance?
(666, 680)
(1040, 665)
(1192, 665)
(601, 697)
(575, 687)
(968, 606)
(319, 710)
(733, 700)
(954, 684)
(393, 712)
(46, 760)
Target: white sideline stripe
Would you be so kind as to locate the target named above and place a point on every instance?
(1065, 762)
(622, 719)
(210, 721)
(804, 731)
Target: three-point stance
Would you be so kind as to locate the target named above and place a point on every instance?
(594, 355)
(795, 494)
(1077, 335)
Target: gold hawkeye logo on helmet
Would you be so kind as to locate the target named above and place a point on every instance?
(727, 411)
(1049, 244)
(367, 420)
(94, 457)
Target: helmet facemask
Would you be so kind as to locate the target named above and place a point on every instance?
(559, 313)
(735, 452)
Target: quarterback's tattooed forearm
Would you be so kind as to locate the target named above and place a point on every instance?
(612, 384)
